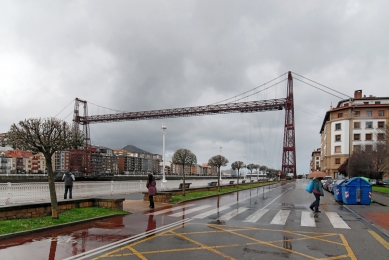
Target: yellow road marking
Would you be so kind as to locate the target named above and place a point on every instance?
(300, 235)
(204, 246)
(379, 239)
(348, 248)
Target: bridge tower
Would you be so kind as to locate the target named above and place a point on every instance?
(81, 159)
(289, 148)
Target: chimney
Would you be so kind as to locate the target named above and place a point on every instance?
(358, 94)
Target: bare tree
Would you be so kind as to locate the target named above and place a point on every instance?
(184, 157)
(237, 165)
(218, 161)
(45, 136)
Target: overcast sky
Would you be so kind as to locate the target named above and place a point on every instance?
(149, 55)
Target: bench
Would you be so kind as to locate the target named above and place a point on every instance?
(244, 181)
(232, 182)
(186, 185)
(212, 183)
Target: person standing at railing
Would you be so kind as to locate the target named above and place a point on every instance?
(68, 179)
(152, 190)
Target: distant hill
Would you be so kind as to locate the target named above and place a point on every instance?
(133, 149)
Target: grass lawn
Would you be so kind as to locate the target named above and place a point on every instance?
(72, 215)
(383, 189)
(201, 194)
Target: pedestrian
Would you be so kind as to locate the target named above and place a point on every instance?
(318, 192)
(68, 178)
(151, 185)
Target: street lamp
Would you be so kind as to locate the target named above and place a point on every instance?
(244, 164)
(163, 184)
(220, 169)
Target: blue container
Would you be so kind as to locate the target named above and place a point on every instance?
(349, 190)
(338, 190)
(356, 191)
(366, 192)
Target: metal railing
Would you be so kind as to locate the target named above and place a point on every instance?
(15, 193)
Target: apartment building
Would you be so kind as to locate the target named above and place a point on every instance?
(354, 124)
(137, 162)
(315, 160)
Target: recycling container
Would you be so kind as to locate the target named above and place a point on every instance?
(356, 191)
(366, 192)
(349, 190)
(338, 190)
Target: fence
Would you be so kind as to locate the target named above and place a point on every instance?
(13, 193)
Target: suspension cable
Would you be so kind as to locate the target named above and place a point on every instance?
(64, 108)
(321, 85)
(318, 88)
(250, 90)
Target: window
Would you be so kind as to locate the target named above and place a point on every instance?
(357, 125)
(369, 113)
(368, 137)
(381, 136)
(366, 103)
(338, 126)
(381, 124)
(337, 138)
(377, 102)
(356, 148)
(369, 124)
(381, 113)
(340, 115)
(337, 160)
(317, 157)
(357, 137)
(357, 113)
(368, 148)
(337, 149)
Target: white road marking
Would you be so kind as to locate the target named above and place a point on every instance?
(256, 215)
(280, 218)
(307, 219)
(169, 210)
(208, 213)
(187, 211)
(233, 213)
(336, 220)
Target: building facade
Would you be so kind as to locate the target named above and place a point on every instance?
(315, 160)
(354, 124)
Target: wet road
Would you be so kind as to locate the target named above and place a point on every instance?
(273, 222)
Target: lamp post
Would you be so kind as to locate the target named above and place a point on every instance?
(163, 184)
(244, 165)
(220, 169)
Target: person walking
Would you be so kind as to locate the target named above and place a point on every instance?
(318, 192)
(152, 190)
(68, 178)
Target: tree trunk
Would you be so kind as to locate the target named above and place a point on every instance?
(53, 194)
(183, 180)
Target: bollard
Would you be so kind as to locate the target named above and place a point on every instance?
(111, 187)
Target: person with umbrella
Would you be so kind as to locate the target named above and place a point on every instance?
(317, 190)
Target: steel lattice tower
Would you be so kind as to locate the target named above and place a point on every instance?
(289, 149)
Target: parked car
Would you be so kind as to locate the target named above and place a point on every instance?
(327, 183)
(386, 182)
(325, 179)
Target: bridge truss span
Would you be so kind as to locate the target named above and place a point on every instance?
(242, 107)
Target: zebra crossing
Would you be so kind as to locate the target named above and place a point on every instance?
(226, 212)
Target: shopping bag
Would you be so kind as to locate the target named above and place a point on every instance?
(309, 187)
